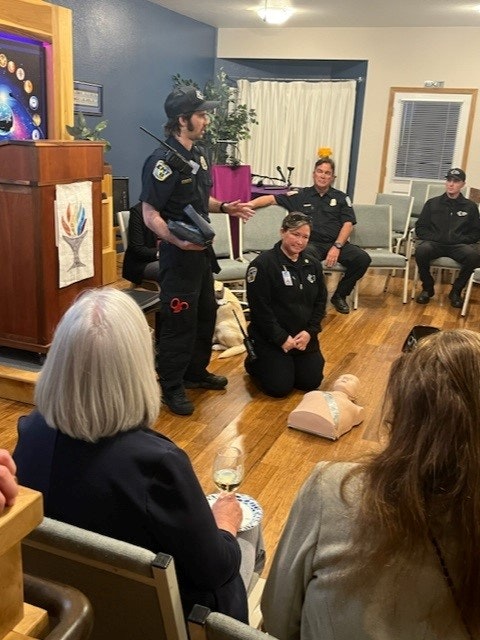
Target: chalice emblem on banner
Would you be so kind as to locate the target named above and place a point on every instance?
(73, 222)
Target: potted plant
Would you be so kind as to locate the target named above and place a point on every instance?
(80, 130)
(229, 123)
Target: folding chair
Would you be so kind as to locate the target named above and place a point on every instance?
(474, 279)
(133, 592)
(232, 271)
(401, 213)
(206, 625)
(261, 232)
(373, 233)
(440, 265)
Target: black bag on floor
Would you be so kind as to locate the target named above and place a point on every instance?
(417, 333)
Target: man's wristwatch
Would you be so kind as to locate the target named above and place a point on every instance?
(338, 245)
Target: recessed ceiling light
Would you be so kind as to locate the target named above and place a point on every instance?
(275, 15)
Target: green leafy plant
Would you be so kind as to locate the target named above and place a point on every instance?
(80, 130)
(230, 120)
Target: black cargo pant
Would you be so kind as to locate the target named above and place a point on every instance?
(186, 319)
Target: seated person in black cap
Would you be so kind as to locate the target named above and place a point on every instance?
(448, 226)
(141, 255)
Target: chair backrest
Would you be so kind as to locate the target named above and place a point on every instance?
(222, 243)
(133, 592)
(206, 625)
(123, 218)
(401, 210)
(419, 192)
(435, 189)
(262, 231)
(374, 226)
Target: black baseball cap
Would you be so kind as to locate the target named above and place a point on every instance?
(185, 99)
(456, 174)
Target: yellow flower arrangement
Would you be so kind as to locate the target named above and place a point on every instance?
(324, 152)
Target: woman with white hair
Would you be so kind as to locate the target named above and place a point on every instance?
(90, 449)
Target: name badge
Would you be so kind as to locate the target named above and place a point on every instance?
(287, 278)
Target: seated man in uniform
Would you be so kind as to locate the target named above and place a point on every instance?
(448, 226)
(333, 219)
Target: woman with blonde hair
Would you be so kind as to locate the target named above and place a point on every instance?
(390, 549)
(89, 447)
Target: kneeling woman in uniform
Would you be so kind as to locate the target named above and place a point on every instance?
(287, 298)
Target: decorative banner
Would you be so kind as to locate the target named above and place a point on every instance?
(74, 232)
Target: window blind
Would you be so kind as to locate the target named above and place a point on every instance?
(427, 137)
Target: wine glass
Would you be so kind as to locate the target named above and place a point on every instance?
(228, 468)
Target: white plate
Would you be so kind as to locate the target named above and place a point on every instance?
(252, 511)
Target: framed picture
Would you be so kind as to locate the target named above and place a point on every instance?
(88, 98)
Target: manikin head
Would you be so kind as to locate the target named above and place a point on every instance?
(348, 384)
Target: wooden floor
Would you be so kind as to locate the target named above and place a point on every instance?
(279, 459)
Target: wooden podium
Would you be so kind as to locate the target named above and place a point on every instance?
(31, 302)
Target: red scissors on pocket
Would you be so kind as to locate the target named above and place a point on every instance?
(177, 305)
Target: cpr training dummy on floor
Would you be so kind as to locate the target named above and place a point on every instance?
(329, 413)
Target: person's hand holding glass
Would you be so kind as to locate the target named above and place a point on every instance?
(228, 474)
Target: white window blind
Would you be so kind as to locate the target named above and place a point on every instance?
(427, 138)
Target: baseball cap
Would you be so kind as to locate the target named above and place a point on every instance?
(456, 174)
(184, 99)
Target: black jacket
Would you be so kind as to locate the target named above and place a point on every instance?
(449, 221)
(138, 487)
(277, 309)
(141, 249)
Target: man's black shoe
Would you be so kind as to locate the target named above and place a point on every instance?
(177, 402)
(209, 381)
(424, 297)
(340, 304)
(456, 299)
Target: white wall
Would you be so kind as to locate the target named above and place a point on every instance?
(400, 57)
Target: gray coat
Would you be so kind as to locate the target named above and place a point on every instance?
(308, 596)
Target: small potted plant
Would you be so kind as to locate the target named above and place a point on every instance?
(80, 130)
(229, 123)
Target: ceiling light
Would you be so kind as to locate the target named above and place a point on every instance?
(275, 15)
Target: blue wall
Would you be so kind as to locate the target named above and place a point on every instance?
(133, 49)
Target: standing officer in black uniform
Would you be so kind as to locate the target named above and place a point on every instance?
(186, 321)
(287, 298)
(333, 219)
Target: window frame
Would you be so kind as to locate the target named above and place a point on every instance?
(387, 176)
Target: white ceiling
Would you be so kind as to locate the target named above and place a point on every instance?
(331, 13)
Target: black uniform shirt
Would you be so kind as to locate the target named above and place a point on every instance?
(285, 297)
(329, 212)
(168, 190)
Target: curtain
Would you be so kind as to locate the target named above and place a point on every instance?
(295, 119)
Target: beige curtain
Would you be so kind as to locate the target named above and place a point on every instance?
(295, 119)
